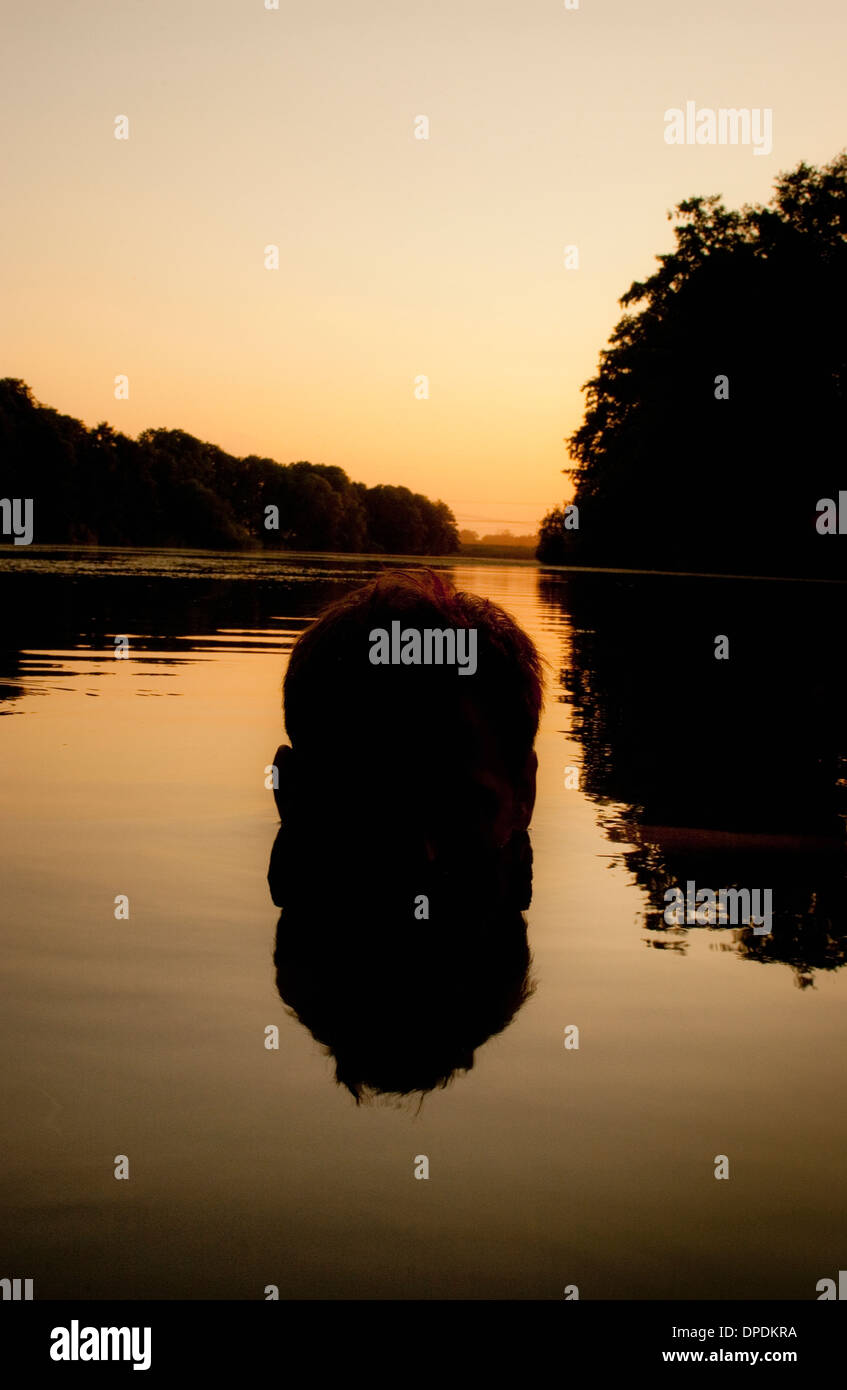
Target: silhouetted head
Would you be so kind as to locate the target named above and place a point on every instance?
(403, 862)
(427, 749)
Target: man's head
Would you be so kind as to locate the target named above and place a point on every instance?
(449, 752)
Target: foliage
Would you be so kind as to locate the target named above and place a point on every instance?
(670, 476)
(167, 488)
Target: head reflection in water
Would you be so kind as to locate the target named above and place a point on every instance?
(403, 862)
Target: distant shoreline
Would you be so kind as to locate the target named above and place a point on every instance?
(517, 554)
(481, 554)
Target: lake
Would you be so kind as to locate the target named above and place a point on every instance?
(549, 1166)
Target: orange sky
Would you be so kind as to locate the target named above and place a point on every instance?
(398, 257)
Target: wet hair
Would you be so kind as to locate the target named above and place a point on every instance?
(332, 694)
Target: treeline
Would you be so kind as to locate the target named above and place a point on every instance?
(501, 546)
(166, 488)
(502, 539)
(713, 437)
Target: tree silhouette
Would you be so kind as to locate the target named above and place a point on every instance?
(715, 422)
(167, 488)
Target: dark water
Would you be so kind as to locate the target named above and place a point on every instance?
(548, 1166)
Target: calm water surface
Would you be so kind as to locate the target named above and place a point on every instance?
(548, 1166)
